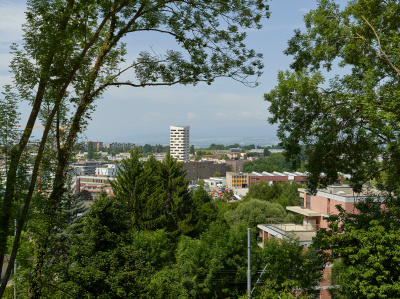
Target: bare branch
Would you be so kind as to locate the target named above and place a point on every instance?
(380, 47)
(118, 84)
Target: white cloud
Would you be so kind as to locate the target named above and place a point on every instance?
(190, 115)
(304, 10)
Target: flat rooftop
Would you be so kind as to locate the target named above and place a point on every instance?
(291, 230)
(303, 211)
(345, 191)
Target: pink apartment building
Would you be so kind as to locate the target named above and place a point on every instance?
(315, 209)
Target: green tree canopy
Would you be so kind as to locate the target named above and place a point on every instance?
(74, 50)
(253, 212)
(128, 185)
(156, 193)
(90, 153)
(156, 196)
(284, 193)
(107, 259)
(214, 146)
(349, 122)
(289, 268)
(213, 265)
(275, 162)
(216, 174)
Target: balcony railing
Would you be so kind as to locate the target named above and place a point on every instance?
(280, 224)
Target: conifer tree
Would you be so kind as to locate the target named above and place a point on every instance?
(173, 193)
(128, 185)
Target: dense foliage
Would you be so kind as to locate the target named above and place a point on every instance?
(284, 193)
(73, 51)
(290, 268)
(275, 162)
(349, 123)
(156, 239)
(157, 197)
(254, 211)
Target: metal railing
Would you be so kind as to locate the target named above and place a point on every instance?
(280, 224)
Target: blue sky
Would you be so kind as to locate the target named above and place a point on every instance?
(226, 111)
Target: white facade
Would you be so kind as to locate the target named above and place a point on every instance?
(215, 182)
(179, 142)
(110, 170)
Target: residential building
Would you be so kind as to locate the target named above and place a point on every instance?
(96, 144)
(315, 209)
(179, 142)
(94, 185)
(203, 169)
(244, 179)
(108, 170)
(214, 157)
(236, 155)
(118, 157)
(276, 150)
(237, 165)
(258, 151)
(215, 182)
(160, 156)
(122, 156)
(81, 155)
(87, 167)
(122, 145)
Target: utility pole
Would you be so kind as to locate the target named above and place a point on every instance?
(15, 264)
(248, 265)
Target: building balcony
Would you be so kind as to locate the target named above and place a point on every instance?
(279, 229)
(303, 211)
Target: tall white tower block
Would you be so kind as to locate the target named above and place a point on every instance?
(179, 142)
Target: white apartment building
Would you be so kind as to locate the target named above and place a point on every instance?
(107, 170)
(179, 142)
